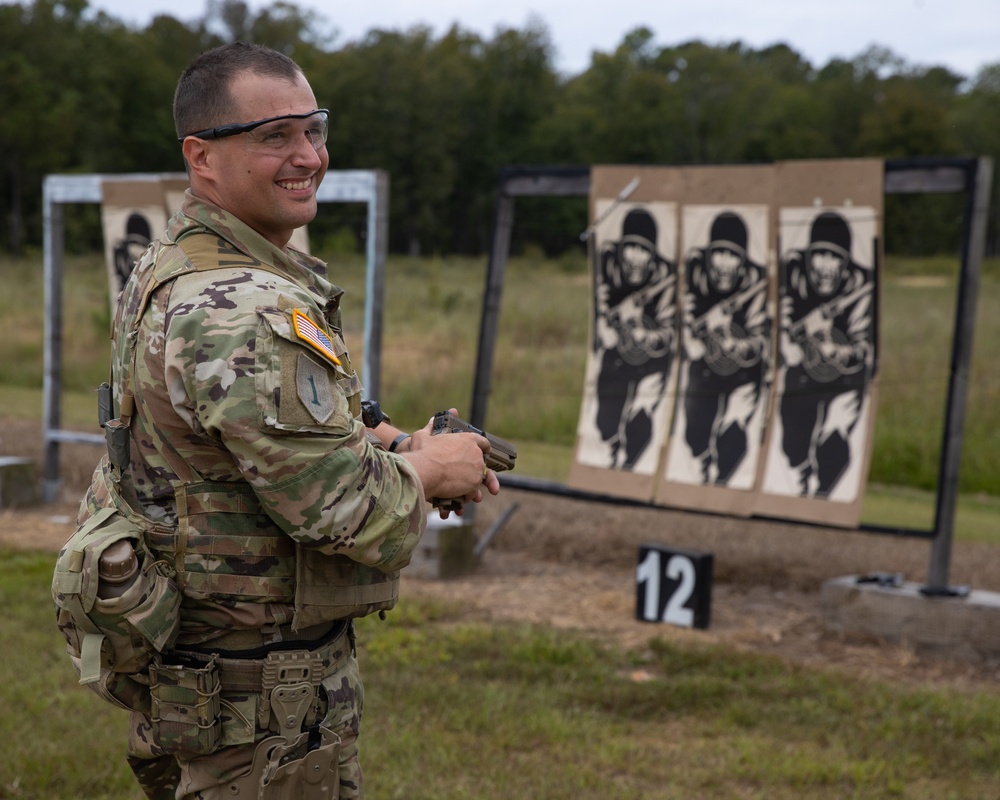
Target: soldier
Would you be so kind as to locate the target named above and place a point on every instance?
(279, 515)
(635, 332)
(726, 335)
(828, 349)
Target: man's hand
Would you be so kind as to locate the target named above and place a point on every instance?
(452, 466)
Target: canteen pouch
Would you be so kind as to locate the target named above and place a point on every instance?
(185, 709)
(112, 641)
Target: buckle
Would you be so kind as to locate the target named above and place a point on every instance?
(289, 683)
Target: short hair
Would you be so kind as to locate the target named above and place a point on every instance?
(202, 98)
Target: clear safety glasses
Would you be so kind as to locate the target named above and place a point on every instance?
(276, 135)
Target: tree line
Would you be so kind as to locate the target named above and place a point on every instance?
(83, 92)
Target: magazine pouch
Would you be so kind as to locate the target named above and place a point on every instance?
(185, 710)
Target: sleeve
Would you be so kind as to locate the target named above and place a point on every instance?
(278, 402)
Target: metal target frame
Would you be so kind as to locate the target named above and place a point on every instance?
(972, 176)
(345, 186)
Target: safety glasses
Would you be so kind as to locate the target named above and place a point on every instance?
(275, 134)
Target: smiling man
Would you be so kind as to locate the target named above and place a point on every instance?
(271, 502)
(259, 171)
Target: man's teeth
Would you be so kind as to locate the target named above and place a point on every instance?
(295, 184)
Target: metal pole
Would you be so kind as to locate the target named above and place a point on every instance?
(376, 249)
(980, 175)
(52, 364)
(514, 182)
(502, 224)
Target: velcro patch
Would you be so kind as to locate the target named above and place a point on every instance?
(309, 332)
(312, 382)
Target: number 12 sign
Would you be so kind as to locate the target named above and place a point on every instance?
(673, 586)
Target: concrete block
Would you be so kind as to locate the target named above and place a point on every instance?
(446, 549)
(18, 482)
(965, 628)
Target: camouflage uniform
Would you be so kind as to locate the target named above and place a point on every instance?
(258, 485)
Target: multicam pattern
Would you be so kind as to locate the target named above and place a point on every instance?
(213, 777)
(217, 402)
(260, 490)
(112, 640)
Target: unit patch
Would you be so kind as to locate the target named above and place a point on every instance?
(312, 383)
(309, 332)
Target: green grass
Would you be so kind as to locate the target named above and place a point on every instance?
(86, 322)
(466, 711)
(455, 710)
(977, 516)
(59, 740)
(432, 328)
(429, 349)
(78, 408)
(459, 711)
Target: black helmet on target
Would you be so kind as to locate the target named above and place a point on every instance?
(828, 256)
(727, 251)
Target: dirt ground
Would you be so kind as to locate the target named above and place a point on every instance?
(570, 564)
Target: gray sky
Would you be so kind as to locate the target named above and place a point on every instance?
(963, 35)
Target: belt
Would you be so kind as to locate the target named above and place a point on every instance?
(249, 671)
(251, 643)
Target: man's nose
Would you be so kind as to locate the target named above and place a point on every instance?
(305, 154)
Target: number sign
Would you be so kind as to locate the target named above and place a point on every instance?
(673, 586)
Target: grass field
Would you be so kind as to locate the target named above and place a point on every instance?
(458, 711)
(431, 334)
(429, 350)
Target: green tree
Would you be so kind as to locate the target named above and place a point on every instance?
(792, 120)
(906, 120)
(389, 115)
(845, 92)
(625, 108)
(49, 82)
(443, 115)
(513, 90)
(976, 119)
(909, 118)
(156, 57)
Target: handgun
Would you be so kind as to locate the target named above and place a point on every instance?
(500, 458)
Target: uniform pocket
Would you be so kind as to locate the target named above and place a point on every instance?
(300, 386)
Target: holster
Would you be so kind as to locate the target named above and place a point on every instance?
(295, 764)
(304, 768)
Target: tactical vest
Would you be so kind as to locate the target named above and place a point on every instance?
(224, 548)
(225, 545)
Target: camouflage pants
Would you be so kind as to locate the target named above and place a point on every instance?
(165, 776)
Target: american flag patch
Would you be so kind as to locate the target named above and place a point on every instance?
(309, 332)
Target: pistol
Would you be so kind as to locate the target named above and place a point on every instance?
(500, 458)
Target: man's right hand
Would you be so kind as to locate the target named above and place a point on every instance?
(452, 466)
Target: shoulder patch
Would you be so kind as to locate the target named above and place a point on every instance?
(312, 384)
(309, 332)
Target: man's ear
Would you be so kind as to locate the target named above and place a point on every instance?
(197, 154)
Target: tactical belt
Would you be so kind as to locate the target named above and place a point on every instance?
(251, 643)
(250, 671)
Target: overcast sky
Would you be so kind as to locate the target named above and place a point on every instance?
(963, 35)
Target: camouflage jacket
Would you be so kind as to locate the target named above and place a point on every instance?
(247, 453)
